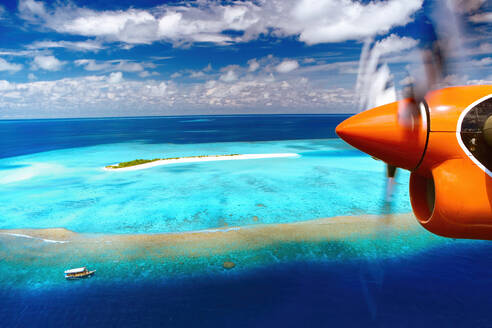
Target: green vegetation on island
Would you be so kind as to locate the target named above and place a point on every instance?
(131, 163)
(144, 161)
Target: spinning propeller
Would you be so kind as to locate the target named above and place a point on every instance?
(375, 87)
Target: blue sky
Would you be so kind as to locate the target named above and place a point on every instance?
(98, 58)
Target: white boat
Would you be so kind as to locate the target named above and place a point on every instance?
(78, 273)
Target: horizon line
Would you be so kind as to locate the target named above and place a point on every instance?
(170, 116)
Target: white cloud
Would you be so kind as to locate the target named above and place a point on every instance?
(313, 21)
(32, 10)
(10, 67)
(408, 80)
(482, 62)
(132, 26)
(483, 48)
(487, 80)
(144, 74)
(176, 75)
(454, 79)
(92, 65)
(197, 74)
(129, 66)
(345, 67)
(320, 21)
(48, 63)
(115, 77)
(110, 95)
(253, 65)
(287, 66)
(21, 53)
(89, 45)
(395, 44)
(32, 77)
(5, 85)
(465, 6)
(229, 76)
(113, 65)
(482, 18)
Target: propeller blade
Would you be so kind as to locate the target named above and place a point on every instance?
(390, 182)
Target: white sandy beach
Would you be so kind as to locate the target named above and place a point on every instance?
(202, 159)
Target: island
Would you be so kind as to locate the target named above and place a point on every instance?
(139, 164)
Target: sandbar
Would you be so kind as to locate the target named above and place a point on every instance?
(347, 229)
(197, 159)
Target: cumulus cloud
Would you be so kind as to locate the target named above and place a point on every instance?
(229, 76)
(267, 65)
(115, 77)
(253, 65)
(340, 20)
(395, 44)
(32, 10)
(313, 21)
(198, 74)
(112, 94)
(48, 63)
(287, 66)
(10, 67)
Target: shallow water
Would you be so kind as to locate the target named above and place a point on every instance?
(68, 188)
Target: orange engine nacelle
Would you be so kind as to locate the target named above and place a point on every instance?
(455, 201)
(444, 148)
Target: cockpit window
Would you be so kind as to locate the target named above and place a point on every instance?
(476, 117)
(472, 132)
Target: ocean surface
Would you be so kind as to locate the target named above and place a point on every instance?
(51, 176)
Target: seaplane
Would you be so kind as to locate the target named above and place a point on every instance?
(448, 150)
(443, 136)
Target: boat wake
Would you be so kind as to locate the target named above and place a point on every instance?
(37, 238)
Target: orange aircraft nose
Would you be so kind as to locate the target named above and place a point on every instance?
(391, 133)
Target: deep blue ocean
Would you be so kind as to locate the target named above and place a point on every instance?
(444, 285)
(19, 137)
(444, 288)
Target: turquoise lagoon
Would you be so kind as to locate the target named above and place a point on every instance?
(68, 188)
